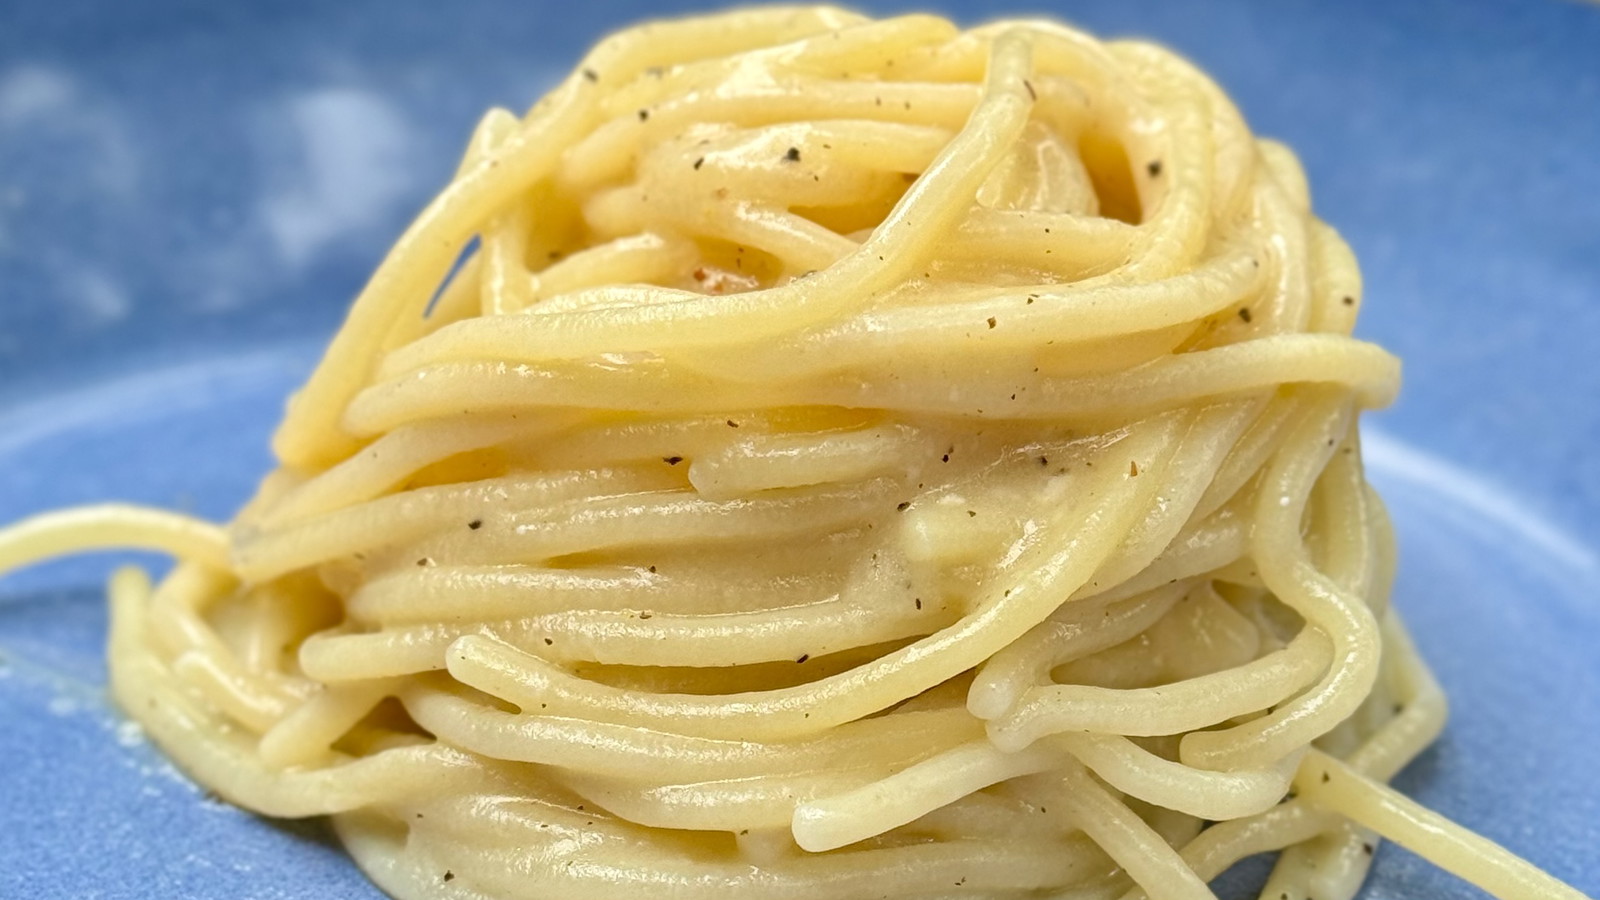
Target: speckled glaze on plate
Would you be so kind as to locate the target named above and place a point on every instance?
(190, 194)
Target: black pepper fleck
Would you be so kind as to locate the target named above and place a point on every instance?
(803, 657)
(793, 155)
(475, 524)
(1245, 315)
(1154, 168)
(672, 460)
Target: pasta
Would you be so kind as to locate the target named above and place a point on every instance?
(808, 456)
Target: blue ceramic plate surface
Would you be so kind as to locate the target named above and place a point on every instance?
(190, 193)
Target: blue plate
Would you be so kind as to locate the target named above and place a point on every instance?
(191, 193)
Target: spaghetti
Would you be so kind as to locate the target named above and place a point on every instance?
(845, 458)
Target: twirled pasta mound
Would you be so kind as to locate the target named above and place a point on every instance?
(855, 459)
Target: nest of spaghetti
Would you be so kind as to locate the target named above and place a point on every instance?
(809, 456)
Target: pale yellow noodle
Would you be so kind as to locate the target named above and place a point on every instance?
(809, 456)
